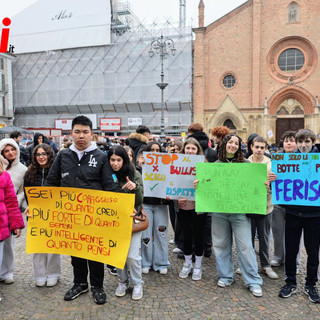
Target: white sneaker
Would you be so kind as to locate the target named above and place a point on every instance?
(176, 250)
(221, 284)
(145, 270)
(137, 292)
(238, 271)
(121, 290)
(186, 269)
(163, 271)
(171, 241)
(52, 282)
(275, 263)
(197, 273)
(270, 273)
(41, 283)
(8, 280)
(256, 291)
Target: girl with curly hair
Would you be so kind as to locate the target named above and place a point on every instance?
(46, 266)
(225, 226)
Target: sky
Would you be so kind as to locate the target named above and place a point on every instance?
(149, 10)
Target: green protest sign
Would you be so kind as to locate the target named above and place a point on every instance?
(231, 187)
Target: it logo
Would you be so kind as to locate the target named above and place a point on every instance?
(5, 37)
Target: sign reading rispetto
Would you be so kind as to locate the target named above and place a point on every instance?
(169, 175)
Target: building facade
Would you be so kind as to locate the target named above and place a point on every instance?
(6, 93)
(115, 82)
(256, 68)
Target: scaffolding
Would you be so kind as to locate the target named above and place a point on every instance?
(112, 81)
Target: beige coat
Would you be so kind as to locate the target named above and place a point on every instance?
(269, 196)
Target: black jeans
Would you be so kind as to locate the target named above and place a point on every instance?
(80, 271)
(207, 235)
(311, 231)
(192, 228)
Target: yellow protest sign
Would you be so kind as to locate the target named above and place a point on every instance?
(90, 224)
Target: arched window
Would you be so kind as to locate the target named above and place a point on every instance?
(228, 123)
(293, 12)
(297, 110)
(282, 111)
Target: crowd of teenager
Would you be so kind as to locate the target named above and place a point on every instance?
(118, 168)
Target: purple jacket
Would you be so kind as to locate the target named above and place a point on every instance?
(10, 215)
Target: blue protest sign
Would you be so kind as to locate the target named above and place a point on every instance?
(297, 179)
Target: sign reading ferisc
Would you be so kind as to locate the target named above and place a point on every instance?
(110, 124)
(297, 180)
(89, 224)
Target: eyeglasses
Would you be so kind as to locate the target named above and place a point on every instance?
(43, 154)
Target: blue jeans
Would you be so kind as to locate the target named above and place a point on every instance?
(223, 225)
(155, 253)
(133, 263)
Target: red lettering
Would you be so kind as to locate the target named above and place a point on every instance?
(78, 197)
(5, 35)
(281, 168)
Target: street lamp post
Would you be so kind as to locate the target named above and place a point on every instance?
(162, 46)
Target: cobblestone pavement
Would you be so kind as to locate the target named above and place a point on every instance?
(165, 296)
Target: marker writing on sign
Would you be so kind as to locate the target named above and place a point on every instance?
(293, 189)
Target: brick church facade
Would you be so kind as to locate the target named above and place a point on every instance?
(256, 69)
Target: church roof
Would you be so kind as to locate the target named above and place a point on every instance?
(230, 14)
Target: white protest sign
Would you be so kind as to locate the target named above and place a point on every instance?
(169, 174)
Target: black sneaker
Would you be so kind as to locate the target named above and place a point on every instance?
(99, 296)
(75, 291)
(312, 292)
(112, 270)
(180, 256)
(207, 253)
(287, 290)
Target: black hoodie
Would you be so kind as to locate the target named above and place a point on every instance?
(202, 138)
(35, 143)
